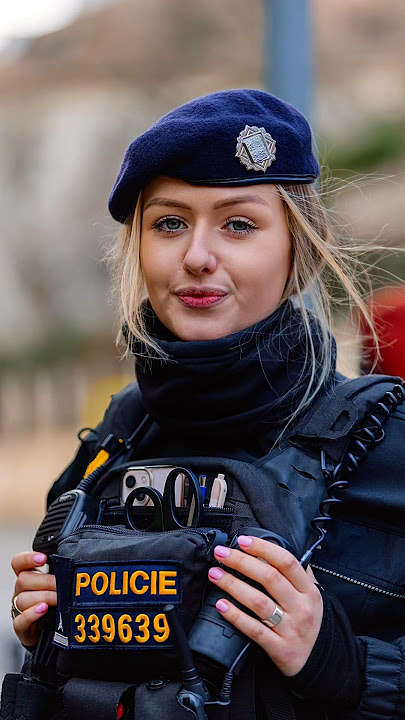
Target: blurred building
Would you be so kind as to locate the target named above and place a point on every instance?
(71, 100)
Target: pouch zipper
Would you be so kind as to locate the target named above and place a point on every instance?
(358, 582)
(130, 531)
(226, 509)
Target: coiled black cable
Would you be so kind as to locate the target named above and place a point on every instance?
(370, 434)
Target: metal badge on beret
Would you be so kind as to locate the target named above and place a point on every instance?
(255, 148)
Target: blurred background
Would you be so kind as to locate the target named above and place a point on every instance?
(79, 79)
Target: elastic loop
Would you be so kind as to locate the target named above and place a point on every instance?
(369, 435)
(385, 410)
(392, 398)
(376, 421)
(400, 393)
(363, 449)
(354, 464)
(82, 430)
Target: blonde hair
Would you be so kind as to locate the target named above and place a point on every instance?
(321, 261)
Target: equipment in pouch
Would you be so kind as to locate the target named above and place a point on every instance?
(212, 635)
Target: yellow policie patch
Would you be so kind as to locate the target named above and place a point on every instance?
(138, 582)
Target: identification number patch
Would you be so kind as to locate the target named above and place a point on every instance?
(115, 604)
(149, 629)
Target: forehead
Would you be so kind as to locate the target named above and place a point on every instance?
(166, 188)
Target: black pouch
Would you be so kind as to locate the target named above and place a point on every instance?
(25, 699)
(83, 698)
(112, 585)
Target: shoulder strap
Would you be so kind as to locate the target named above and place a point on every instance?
(337, 414)
(124, 413)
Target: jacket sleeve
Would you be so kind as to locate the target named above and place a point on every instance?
(384, 690)
(334, 671)
(363, 676)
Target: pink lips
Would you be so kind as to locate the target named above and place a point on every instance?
(200, 297)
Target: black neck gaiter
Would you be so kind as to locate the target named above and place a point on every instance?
(249, 381)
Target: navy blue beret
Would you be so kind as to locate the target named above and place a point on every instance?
(234, 137)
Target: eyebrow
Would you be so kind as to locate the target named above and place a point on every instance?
(168, 202)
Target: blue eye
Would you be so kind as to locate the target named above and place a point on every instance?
(240, 226)
(169, 224)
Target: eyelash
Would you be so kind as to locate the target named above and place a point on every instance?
(252, 227)
(159, 223)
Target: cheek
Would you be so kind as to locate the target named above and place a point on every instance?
(152, 267)
(269, 268)
(268, 278)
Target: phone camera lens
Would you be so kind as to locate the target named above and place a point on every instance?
(130, 481)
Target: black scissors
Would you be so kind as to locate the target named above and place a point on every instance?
(164, 506)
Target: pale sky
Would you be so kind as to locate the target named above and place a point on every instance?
(33, 17)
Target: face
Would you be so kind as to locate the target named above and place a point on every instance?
(215, 259)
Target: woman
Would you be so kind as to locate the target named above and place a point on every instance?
(223, 232)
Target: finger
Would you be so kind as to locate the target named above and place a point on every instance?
(29, 580)
(248, 596)
(26, 600)
(277, 556)
(27, 561)
(26, 624)
(288, 653)
(250, 626)
(311, 575)
(278, 586)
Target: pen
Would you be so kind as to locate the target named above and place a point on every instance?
(218, 492)
(203, 481)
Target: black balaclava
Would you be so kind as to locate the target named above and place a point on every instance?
(249, 381)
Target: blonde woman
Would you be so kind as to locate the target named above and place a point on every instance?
(223, 234)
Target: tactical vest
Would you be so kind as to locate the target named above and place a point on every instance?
(109, 648)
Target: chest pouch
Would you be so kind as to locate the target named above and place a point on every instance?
(112, 585)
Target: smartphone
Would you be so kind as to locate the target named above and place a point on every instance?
(152, 476)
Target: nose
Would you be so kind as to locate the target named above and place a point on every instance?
(199, 256)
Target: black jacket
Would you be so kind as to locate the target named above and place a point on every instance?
(361, 563)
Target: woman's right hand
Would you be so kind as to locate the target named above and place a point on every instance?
(34, 592)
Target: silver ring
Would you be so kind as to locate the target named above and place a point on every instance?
(275, 618)
(15, 610)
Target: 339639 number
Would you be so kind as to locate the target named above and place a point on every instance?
(148, 629)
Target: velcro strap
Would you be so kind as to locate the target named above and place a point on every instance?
(84, 699)
(338, 413)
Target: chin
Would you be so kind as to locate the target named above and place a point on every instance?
(198, 332)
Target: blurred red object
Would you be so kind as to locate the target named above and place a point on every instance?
(388, 311)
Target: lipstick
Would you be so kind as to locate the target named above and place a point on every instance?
(200, 297)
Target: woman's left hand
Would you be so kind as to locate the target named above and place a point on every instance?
(290, 642)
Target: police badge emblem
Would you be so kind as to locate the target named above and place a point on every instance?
(255, 148)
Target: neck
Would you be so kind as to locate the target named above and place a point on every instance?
(251, 380)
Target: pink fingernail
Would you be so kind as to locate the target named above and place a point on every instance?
(222, 606)
(41, 608)
(222, 551)
(244, 540)
(40, 558)
(215, 573)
